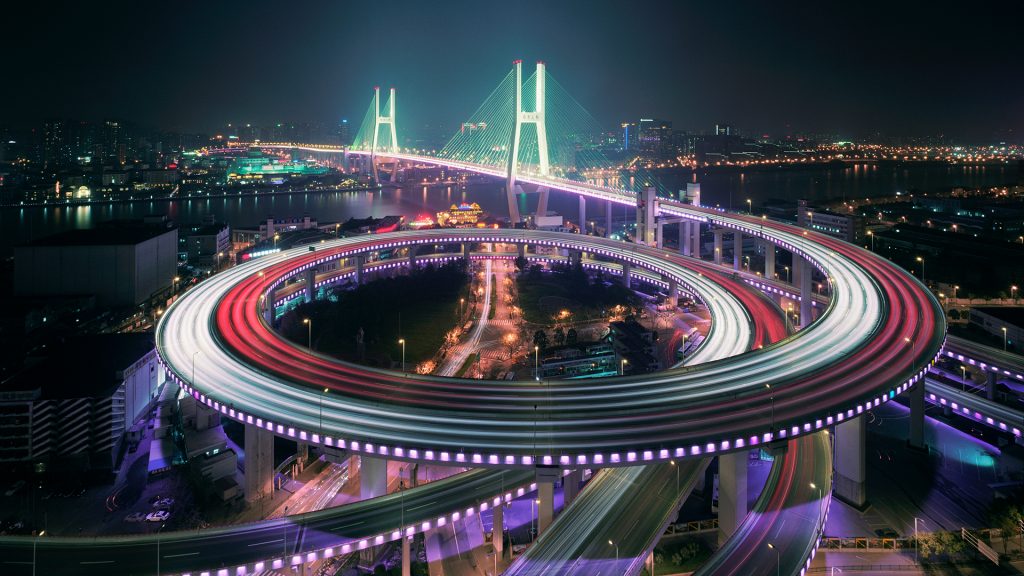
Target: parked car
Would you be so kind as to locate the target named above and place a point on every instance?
(135, 517)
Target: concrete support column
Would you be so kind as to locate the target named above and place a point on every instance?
(695, 242)
(916, 437)
(542, 202)
(583, 214)
(571, 486)
(608, 218)
(659, 235)
(732, 493)
(268, 308)
(848, 481)
(310, 292)
(546, 508)
(373, 477)
(521, 250)
(990, 385)
(684, 238)
(806, 292)
(626, 274)
(465, 252)
(412, 257)
(406, 557)
(498, 528)
(360, 261)
(259, 463)
(575, 258)
(673, 292)
(769, 260)
(718, 245)
(302, 452)
(737, 250)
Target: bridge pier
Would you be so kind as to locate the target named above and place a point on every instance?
(769, 260)
(848, 480)
(806, 292)
(302, 452)
(695, 242)
(542, 200)
(571, 486)
(259, 463)
(684, 238)
(575, 258)
(521, 250)
(412, 258)
(607, 218)
(673, 292)
(465, 252)
(626, 274)
(360, 262)
(583, 214)
(545, 505)
(737, 250)
(718, 245)
(268, 308)
(916, 433)
(498, 527)
(310, 291)
(406, 556)
(373, 477)
(659, 235)
(732, 493)
(990, 385)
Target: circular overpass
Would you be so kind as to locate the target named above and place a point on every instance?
(873, 341)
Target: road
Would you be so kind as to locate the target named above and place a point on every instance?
(460, 353)
(342, 529)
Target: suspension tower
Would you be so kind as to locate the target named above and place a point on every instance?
(523, 117)
(379, 121)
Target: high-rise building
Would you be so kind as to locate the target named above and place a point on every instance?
(56, 148)
(654, 138)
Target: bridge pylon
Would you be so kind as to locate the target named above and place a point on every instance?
(378, 121)
(535, 117)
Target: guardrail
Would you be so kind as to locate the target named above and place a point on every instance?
(865, 543)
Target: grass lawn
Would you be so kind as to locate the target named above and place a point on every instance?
(542, 295)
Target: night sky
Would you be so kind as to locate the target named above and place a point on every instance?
(767, 67)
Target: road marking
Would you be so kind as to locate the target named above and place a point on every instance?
(420, 506)
(16, 562)
(347, 526)
(98, 562)
(180, 555)
(267, 542)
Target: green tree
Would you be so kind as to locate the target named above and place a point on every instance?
(540, 339)
(559, 336)
(571, 337)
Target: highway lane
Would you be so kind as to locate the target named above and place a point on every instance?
(340, 530)
(788, 515)
(631, 507)
(813, 379)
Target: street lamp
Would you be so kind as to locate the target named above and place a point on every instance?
(778, 558)
(622, 364)
(610, 543)
(750, 206)
(872, 236)
(673, 463)
(921, 260)
(963, 378)
(789, 277)
(158, 548)
(402, 342)
(536, 363)
(194, 367)
(40, 535)
(322, 414)
(771, 422)
(1013, 293)
(913, 352)
(917, 543)
(309, 332)
(462, 301)
(1004, 338)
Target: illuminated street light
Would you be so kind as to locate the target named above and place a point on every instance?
(921, 260)
(778, 558)
(402, 342)
(872, 236)
(1004, 338)
(610, 543)
(536, 363)
(622, 366)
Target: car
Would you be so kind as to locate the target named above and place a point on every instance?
(135, 517)
(166, 502)
(158, 516)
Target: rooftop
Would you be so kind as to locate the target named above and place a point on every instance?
(111, 233)
(82, 367)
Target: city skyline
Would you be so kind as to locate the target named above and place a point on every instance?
(923, 71)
